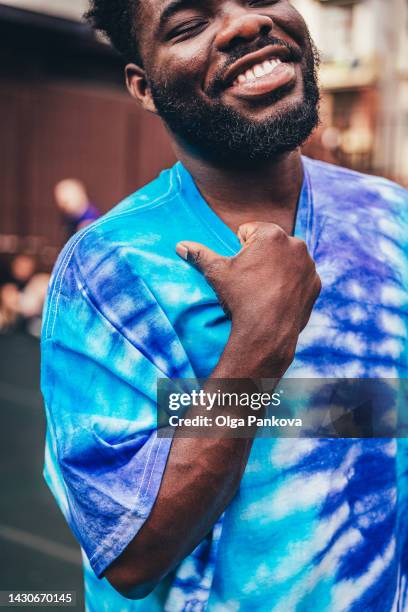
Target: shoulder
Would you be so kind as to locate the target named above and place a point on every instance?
(353, 197)
(134, 222)
(140, 213)
(107, 258)
(352, 184)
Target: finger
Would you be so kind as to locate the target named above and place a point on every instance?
(197, 254)
(248, 231)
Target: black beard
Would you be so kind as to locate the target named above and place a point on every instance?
(221, 134)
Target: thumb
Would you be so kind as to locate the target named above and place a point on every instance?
(197, 254)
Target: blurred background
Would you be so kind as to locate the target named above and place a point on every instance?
(72, 145)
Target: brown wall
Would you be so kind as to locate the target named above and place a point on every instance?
(66, 115)
(50, 132)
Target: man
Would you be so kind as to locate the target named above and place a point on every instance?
(74, 203)
(227, 524)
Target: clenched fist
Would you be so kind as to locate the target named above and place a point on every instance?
(268, 289)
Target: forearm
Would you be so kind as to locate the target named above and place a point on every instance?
(201, 477)
(200, 480)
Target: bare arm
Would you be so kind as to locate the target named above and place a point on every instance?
(269, 288)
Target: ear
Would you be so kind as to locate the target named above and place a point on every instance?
(138, 88)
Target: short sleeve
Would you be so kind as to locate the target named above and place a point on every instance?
(104, 345)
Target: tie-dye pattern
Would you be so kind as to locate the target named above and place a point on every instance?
(316, 524)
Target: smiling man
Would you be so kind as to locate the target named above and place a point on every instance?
(210, 272)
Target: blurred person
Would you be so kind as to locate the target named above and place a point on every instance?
(73, 201)
(18, 274)
(22, 299)
(22, 269)
(9, 304)
(245, 261)
(31, 302)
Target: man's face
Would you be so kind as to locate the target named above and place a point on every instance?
(233, 80)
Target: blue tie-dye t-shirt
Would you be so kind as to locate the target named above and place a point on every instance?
(317, 524)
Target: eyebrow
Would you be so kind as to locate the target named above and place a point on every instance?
(175, 7)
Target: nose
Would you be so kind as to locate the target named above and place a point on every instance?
(242, 28)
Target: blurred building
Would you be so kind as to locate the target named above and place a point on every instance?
(364, 75)
(70, 9)
(64, 113)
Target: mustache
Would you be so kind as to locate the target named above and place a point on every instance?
(218, 82)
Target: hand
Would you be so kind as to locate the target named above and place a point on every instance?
(268, 289)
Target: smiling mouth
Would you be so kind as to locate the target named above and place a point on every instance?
(261, 73)
(263, 78)
(258, 71)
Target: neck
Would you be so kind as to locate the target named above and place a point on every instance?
(266, 192)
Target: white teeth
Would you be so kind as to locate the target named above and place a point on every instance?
(258, 71)
(250, 76)
(267, 66)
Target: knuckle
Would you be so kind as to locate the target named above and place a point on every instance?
(300, 246)
(273, 232)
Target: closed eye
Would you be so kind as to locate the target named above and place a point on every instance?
(262, 2)
(187, 30)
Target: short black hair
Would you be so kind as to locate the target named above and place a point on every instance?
(117, 20)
